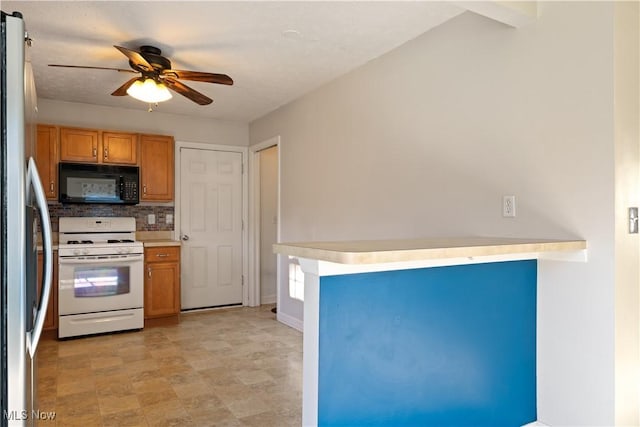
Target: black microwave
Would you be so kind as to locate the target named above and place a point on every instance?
(92, 183)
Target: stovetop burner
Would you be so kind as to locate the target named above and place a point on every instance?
(119, 241)
(77, 242)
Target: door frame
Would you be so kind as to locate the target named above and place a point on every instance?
(254, 219)
(245, 211)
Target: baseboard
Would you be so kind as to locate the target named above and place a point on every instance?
(49, 334)
(162, 321)
(268, 299)
(290, 321)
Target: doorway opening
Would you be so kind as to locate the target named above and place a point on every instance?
(264, 189)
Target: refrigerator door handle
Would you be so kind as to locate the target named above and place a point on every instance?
(33, 180)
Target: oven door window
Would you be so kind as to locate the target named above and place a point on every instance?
(90, 282)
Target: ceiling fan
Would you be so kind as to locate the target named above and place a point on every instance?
(157, 75)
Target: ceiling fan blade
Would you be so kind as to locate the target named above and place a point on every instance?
(186, 91)
(121, 70)
(122, 90)
(198, 76)
(136, 58)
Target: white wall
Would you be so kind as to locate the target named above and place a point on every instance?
(183, 128)
(425, 140)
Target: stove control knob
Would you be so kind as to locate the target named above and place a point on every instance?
(76, 251)
(85, 251)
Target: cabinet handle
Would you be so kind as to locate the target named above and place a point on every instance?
(51, 187)
(144, 189)
(106, 153)
(149, 272)
(95, 152)
(162, 255)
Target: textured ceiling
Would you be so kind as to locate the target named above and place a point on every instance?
(274, 51)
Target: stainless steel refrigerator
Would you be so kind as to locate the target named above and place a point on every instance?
(22, 205)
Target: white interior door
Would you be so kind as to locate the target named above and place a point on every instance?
(211, 227)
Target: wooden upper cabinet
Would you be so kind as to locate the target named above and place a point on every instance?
(153, 153)
(121, 148)
(47, 159)
(97, 146)
(156, 168)
(79, 145)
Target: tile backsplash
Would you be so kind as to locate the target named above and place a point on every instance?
(139, 212)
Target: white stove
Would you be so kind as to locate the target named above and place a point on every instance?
(80, 235)
(100, 279)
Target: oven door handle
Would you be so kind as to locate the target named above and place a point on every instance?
(102, 259)
(33, 181)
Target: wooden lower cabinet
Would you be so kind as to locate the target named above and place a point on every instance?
(51, 321)
(161, 284)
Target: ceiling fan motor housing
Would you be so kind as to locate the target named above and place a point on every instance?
(154, 57)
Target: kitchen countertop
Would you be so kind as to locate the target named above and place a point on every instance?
(160, 242)
(156, 238)
(390, 251)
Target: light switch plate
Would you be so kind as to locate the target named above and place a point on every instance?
(151, 219)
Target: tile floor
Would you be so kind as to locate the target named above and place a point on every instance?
(233, 367)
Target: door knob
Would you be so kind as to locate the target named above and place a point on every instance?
(185, 237)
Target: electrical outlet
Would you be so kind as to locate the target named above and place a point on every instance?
(169, 218)
(633, 220)
(508, 206)
(151, 219)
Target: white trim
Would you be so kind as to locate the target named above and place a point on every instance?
(536, 424)
(290, 321)
(245, 210)
(254, 222)
(310, 349)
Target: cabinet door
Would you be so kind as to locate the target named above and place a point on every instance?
(161, 289)
(51, 320)
(47, 159)
(121, 148)
(156, 168)
(79, 145)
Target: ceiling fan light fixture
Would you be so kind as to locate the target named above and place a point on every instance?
(149, 91)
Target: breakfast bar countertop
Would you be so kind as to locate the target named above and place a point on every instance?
(390, 251)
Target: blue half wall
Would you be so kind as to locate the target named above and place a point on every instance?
(445, 346)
